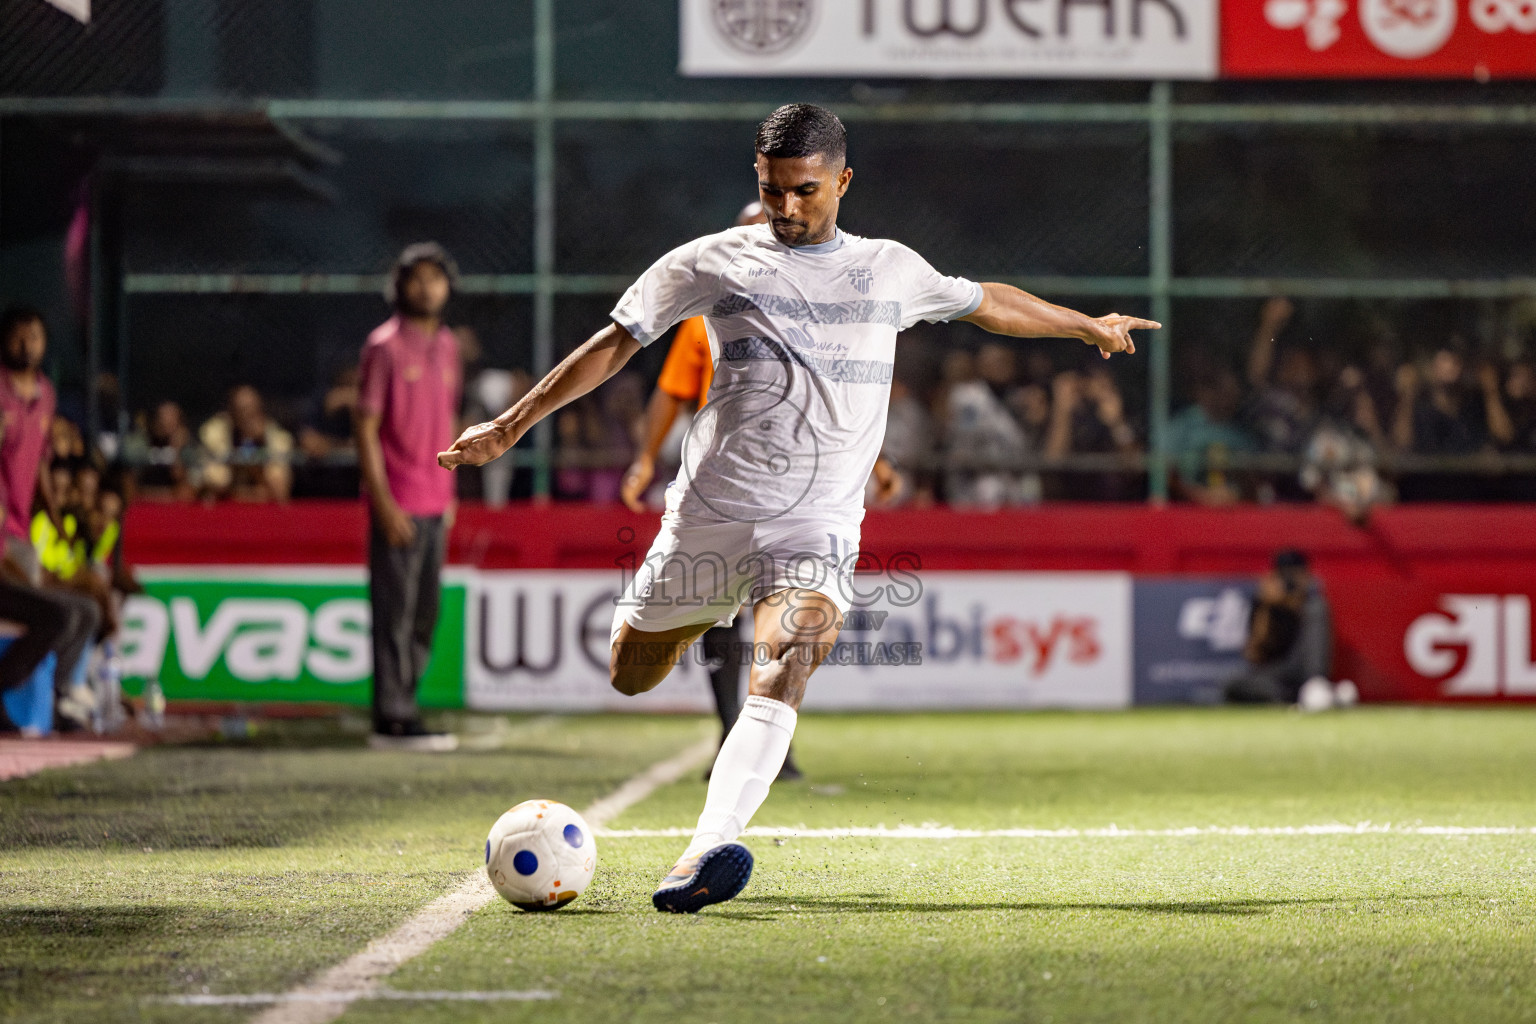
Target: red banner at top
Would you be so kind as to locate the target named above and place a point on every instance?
(1480, 39)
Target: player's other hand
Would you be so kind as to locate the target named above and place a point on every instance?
(478, 445)
(636, 479)
(1112, 333)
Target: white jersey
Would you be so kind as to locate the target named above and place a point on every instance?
(803, 341)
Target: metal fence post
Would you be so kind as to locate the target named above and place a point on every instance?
(543, 228)
(1159, 279)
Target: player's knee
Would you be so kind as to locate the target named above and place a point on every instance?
(627, 674)
(627, 682)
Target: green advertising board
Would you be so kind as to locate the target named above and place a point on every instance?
(289, 635)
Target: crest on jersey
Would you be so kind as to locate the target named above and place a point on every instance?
(861, 278)
(763, 27)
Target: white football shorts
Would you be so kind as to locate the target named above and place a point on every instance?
(697, 573)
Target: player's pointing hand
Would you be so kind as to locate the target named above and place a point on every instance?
(1112, 333)
(478, 445)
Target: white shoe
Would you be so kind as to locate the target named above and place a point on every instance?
(416, 741)
(78, 705)
(1316, 695)
(1345, 694)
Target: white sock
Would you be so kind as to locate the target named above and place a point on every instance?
(747, 764)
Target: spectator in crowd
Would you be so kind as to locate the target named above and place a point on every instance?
(1283, 408)
(597, 439)
(246, 455)
(65, 442)
(1203, 436)
(579, 437)
(1437, 413)
(1088, 417)
(1441, 412)
(1519, 402)
(908, 451)
(166, 459)
(327, 440)
(52, 620)
(1290, 635)
(408, 401)
(621, 413)
(983, 443)
(1339, 465)
(487, 393)
(1030, 404)
(957, 367)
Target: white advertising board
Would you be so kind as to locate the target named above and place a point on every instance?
(950, 38)
(538, 640)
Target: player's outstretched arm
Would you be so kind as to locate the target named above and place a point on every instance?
(598, 358)
(1008, 310)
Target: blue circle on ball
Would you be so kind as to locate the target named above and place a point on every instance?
(525, 862)
(487, 851)
(573, 836)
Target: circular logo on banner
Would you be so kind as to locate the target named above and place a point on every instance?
(1408, 28)
(763, 27)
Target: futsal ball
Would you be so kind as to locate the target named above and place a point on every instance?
(540, 855)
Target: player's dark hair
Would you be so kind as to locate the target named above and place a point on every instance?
(803, 129)
(14, 317)
(413, 255)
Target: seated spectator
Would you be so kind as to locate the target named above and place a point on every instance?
(489, 392)
(595, 439)
(163, 455)
(983, 442)
(247, 456)
(1339, 466)
(1439, 412)
(1283, 408)
(328, 444)
(1290, 635)
(1520, 406)
(1202, 436)
(1088, 417)
(65, 442)
(908, 447)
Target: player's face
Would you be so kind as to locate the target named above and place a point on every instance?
(800, 196)
(424, 292)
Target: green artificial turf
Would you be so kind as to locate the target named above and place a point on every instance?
(269, 861)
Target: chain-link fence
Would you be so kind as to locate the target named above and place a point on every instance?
(554, 150)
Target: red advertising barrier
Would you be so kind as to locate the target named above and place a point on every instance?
(1479, 39)
(1431, 602)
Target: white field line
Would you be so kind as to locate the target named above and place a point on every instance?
(263, 998)
(1111, 832)
(327, 996)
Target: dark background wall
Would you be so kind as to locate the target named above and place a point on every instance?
(979, 199)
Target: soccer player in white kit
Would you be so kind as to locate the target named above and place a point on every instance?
(802, 320)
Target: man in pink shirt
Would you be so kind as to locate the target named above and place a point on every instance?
(407, 407)
(52, 620)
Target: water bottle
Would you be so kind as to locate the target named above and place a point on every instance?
(107, 681)
(154, 705)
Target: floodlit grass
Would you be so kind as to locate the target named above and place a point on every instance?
(269, 861)
(248, 867)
